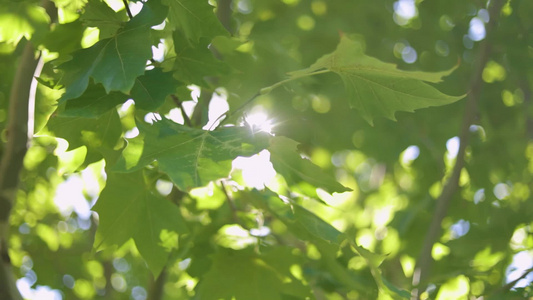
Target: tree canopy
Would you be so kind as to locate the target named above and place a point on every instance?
(266, 149)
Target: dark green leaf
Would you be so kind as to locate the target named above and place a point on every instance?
(99, 14)
(151, 89)
(93, 103)
(117, 61)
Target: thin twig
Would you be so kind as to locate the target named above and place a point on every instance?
(424, 262)
(128, 11)
(232, 206)
(229, 114)
(183, 113)
(511, 284)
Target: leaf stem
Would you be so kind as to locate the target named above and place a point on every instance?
(268, 89)
(183, 113)
(232, 206)
(510, 285)
(265, 91)
(128, 11)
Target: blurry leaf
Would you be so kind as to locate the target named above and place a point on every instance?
(190, 157)
(295, 169)
(127, 209)
(195, 18)
(373, 261)
(151, 89)
(117, 61)
(376, 88)
(299, 220)
(243, 275)
(21, 18)
(193, 64)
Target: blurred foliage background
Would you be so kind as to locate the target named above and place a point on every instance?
(396, 169)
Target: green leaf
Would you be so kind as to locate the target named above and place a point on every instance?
(195, 18)
(243, 275)
(299, 220)
(190, 157)
(93, 103)
(151, 89)
(117, 61)
(99, 14)
(376, 88)
(295, 169)
(64, 38)
(128, 209)
(22, 19)
(99, 135)
(374, 260)
(193, 63)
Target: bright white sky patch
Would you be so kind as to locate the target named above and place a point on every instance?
(135, 7)
(522, 261)
(452, 145)
(39, 293)
(501, 191)
(217, 107)
(159, 51)
(257, 170)
(410, 154)
(476, 31)
(124, 107)
(404, 10)
(152, 117)
(69, 197)
(409, 55)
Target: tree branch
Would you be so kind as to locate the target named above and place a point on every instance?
(15, 149)
(511, 284)
(424, 262)
(183, 113)
(12, 159)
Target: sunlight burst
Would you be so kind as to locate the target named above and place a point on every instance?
(258, 120)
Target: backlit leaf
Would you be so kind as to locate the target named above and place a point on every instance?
(195, 18)
(190, 157)
(21, 19)
(376, 88)
(99, 135)
(114, 62)
(245, 275)
(127, 209)
(295, 169)
(99, 14)
(193, 63)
